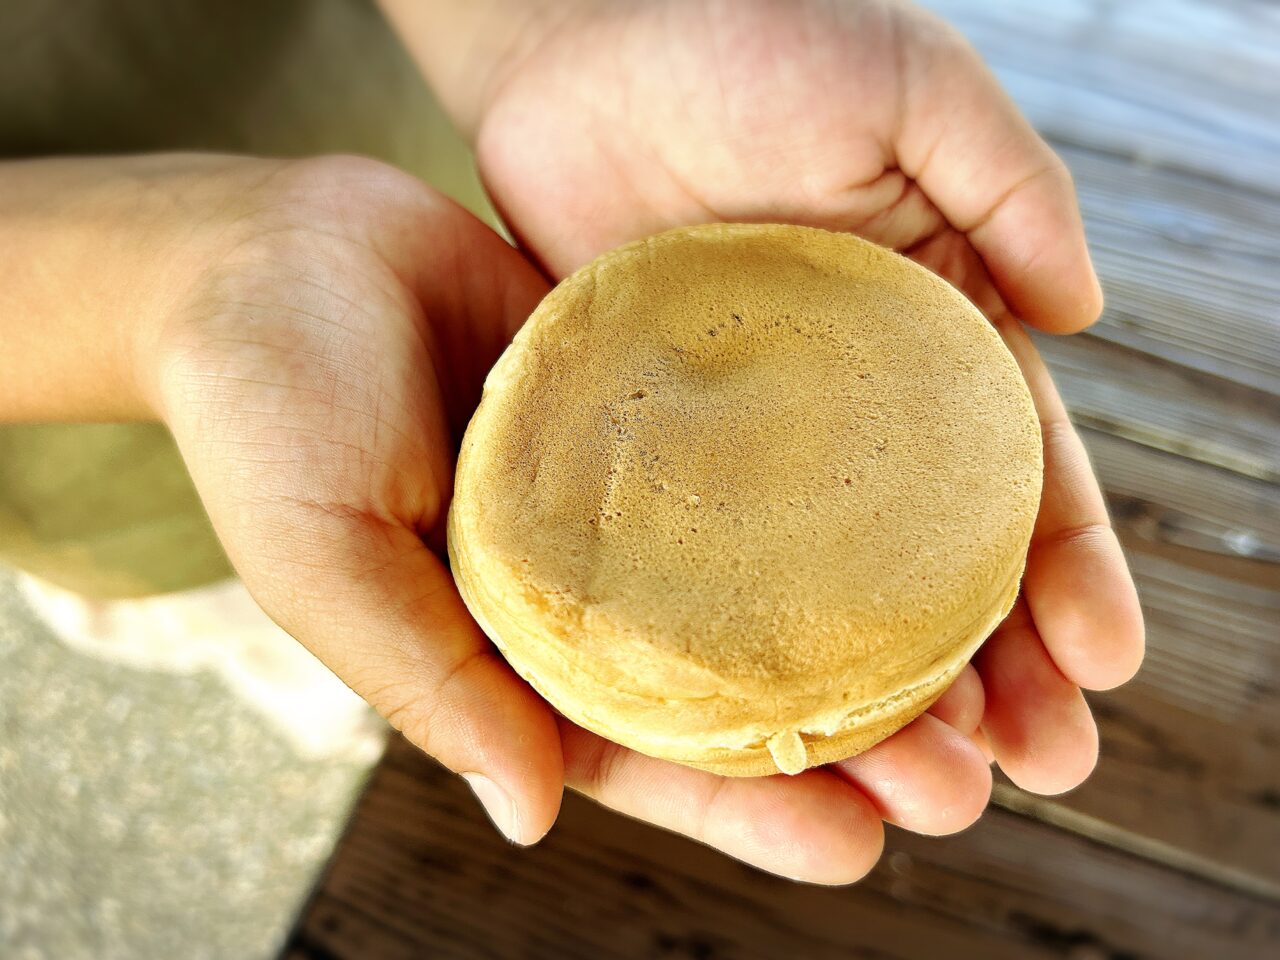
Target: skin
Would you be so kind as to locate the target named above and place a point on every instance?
(315, 334)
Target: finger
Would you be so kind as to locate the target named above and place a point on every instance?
(962, 703)
(982, 164)
(926, 777)
(1077, 582)
(949, 254)
(1037, 721)
(980, 741)
(813, 827)
(382, 612)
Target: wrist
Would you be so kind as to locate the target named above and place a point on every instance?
(467, 51)
(189, 215)
(94, 255)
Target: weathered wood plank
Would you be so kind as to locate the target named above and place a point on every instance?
(420, 872)
(1117, 390)
(1190, 268)
(1187, 780)
(1158, 498)
(1190, 84)
(1213, 642)
(1213, 649)
(1163, 110)
(1189, 746)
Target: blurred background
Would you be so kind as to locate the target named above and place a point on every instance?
(178, 778)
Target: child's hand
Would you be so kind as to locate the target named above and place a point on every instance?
(600, 122)
(315, 333)
(317, 373)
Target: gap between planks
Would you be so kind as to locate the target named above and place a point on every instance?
(1054, 814)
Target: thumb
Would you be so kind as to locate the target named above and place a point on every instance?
(381, 611)
(985, 168)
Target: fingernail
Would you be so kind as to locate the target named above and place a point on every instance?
(496, 804)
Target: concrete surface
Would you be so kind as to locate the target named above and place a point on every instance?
(146, 814)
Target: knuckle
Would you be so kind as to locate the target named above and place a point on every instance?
(1090, 534)
(426, 710)
(600, 766)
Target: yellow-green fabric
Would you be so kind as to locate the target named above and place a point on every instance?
(108, 509)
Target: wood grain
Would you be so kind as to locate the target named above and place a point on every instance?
(1190, 268)
(1165, 112)
(1130, 394)
(420, 869)
(1187, 84)
(1159, 500)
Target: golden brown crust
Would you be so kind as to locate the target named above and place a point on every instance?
(741, 483)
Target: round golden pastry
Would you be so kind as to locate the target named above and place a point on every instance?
(746, 497)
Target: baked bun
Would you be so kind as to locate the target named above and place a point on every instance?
(747, 497)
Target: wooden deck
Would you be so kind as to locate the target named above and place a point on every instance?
(1167, 114)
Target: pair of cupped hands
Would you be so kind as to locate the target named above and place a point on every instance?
(327, 324)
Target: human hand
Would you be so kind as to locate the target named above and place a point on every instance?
(602, 122)
(317, 367)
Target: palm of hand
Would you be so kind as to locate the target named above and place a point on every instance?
(316, 384)
(876, 119)
(304, 349)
